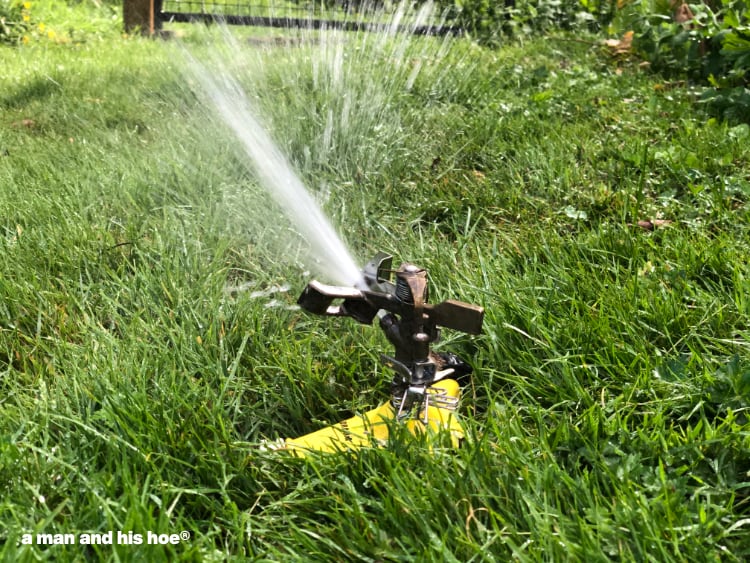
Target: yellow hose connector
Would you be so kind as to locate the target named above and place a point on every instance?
(372, 427)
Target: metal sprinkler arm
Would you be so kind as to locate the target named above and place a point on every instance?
(409, 322)
(363, 306)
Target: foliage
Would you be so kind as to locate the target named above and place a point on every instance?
(488, 21)
(15, 21)
(704, 42)
(732, 104)
(698, 43)
(75, 22)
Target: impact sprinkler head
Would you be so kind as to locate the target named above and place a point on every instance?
(406, 298)
(410, 323)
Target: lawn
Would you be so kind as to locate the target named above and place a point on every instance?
(149, 342)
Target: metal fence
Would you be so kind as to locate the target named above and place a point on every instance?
(349, 15)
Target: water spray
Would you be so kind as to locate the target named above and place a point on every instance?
(424, 389)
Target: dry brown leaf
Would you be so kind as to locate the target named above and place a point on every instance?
(683, 13)
(25, 123)
(650, 225)
(661, 222)
(621, 46)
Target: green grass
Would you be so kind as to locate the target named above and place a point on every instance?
(608, 413)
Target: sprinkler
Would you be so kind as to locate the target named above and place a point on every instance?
(424, 389)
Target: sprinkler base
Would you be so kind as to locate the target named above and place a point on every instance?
(372, 428)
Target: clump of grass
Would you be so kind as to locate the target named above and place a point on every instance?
(139, 370)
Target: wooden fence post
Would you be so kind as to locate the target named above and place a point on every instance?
(141, 14)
